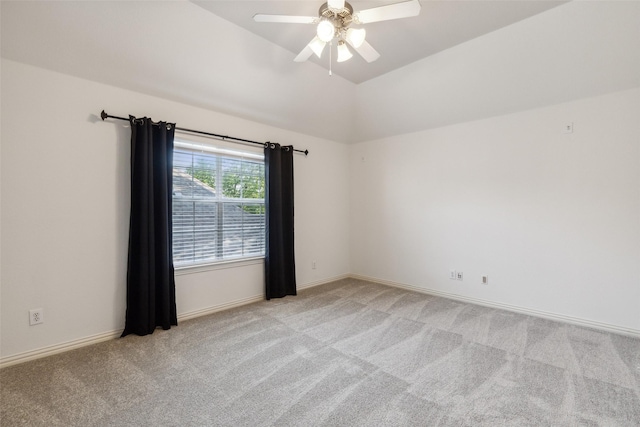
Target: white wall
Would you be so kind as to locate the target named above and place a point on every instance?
(0, 183)
(179, 51)
(576, 50)
(552, 218)
(65, 208)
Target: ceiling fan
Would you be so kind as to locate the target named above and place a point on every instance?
(334, 21)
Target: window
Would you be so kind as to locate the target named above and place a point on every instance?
(218, 205)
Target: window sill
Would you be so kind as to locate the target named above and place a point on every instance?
(200, 268)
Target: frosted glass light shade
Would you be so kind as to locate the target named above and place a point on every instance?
(317, 46)
(343, 52)
(325, 31)
(355, 37)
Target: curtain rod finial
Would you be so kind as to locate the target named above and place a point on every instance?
(306, 152)
(103, 115)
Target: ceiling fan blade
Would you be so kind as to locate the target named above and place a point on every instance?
(366, 51)
(285, 19)
(315, 46)
(404, 9)
(309, 50)
(304, 54)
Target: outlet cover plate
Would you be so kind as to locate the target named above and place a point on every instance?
(36, 316)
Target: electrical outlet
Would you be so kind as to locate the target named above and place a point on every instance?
(485, 280)
(459, 275)
(36, 316)
(313, 265)
(452, 274)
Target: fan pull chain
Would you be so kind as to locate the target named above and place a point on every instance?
(330, 53)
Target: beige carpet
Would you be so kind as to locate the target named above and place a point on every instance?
(347, 353)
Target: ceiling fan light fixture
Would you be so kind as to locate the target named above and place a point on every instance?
(333, 22)
(317, 46)
(343, 52)
(356, 36)
(326, 30)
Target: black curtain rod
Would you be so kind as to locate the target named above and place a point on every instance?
(223, 137)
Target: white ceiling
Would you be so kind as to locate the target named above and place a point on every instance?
(179, 51)
(440, 25)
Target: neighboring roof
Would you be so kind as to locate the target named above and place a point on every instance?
(184, 185)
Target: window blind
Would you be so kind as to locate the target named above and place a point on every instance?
(218, 205)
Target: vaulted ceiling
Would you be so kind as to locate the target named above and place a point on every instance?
(439, 26)
(457, 61)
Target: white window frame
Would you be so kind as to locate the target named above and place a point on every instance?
(219, 200)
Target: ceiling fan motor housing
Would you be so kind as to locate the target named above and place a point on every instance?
(339, 18)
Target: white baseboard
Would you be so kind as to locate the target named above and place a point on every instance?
(324, 281)
(105, 336)
(219, 307)
(517, 309)
(58, 348)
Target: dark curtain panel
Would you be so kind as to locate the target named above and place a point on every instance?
(280, 268)
(151, 299)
